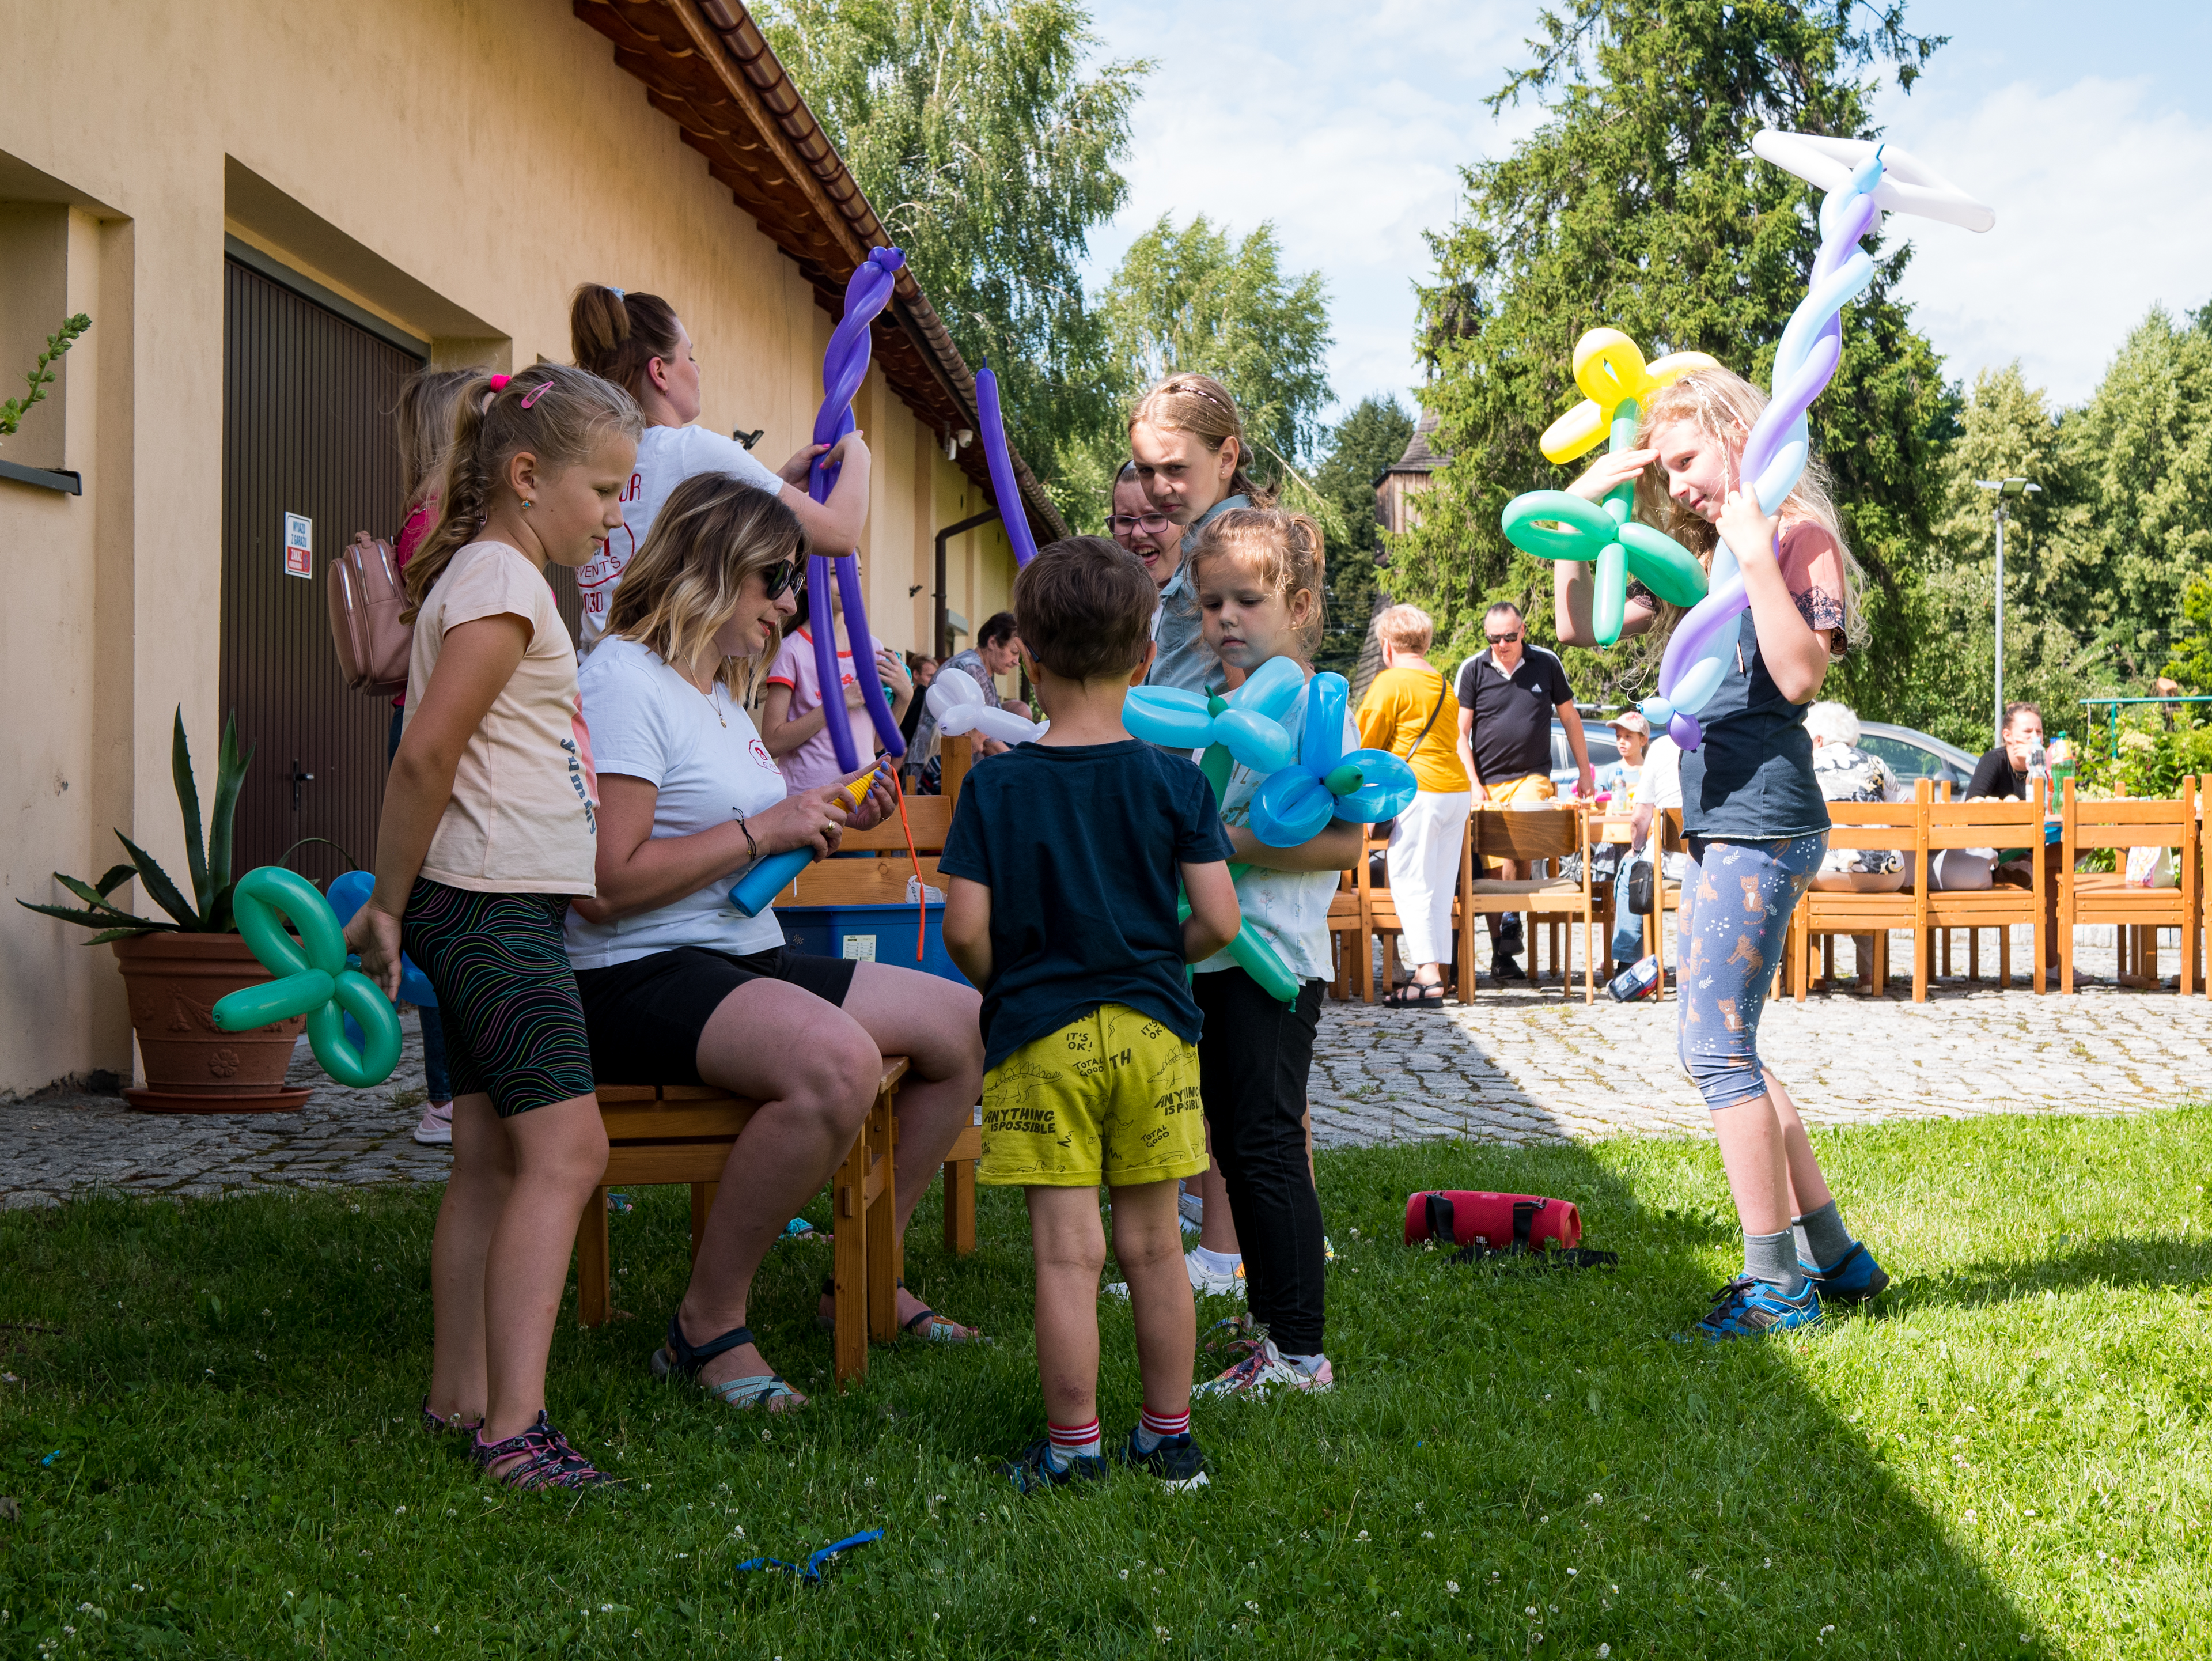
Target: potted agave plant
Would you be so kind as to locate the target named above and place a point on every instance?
(175, 968)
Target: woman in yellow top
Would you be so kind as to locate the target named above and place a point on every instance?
(1410, 711)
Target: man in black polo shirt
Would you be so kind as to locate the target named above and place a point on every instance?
(1508, 697)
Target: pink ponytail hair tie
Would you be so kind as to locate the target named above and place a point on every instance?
(499, 382)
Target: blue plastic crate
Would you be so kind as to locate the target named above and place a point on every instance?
(873, 934)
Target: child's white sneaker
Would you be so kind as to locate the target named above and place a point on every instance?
(437, 1129)
(1204, 1279)
(1264, 1370)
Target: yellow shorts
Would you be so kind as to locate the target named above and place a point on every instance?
(1536, 787)
(1112, 1097)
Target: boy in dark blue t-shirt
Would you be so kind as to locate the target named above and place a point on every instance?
(1064, 861)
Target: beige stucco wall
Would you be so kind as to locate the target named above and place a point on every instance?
(455, 167)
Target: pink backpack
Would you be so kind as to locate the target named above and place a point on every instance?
(366, 597)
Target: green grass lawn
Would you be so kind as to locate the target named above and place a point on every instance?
(2007, 1457)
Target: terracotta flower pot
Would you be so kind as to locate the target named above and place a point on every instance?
(192, 1065)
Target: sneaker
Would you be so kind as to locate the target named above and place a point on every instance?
(1502, 967)
(1745, 1308)
(1204, 1281)
(1031, 1471)
(1175, 1460)
(1852, 1279)
(1190, 1210)
(540, 1457)
(437, 1129)
(1264, 1370)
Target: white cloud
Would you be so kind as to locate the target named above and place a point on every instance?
(1347, 132)
(2104, 208)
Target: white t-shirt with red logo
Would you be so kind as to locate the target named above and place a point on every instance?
(666, 456)
(815, 762)
(706, 758)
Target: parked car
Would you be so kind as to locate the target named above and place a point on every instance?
(1912, 754)
(1604, 750)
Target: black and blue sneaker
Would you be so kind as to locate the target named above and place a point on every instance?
(1746, 1308)
(1175, 1460)
(1851, 1279)
(1032, 1469)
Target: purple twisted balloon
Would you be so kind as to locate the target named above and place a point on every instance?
(1774, 455)
(1001, 461)
(844, 366)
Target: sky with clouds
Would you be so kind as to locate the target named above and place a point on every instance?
(2086, 128)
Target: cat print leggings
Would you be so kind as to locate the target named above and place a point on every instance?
(1738, 902)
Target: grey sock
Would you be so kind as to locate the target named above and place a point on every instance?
(1773, 1258)
(1822, 1239)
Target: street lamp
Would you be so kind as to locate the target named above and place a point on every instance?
(2015, 489)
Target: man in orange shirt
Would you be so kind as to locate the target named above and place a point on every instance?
(1410, 711)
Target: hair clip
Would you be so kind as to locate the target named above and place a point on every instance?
(535, 393)
(499, 382)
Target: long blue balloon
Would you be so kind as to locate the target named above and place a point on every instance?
(844, 366)
(1001, 462)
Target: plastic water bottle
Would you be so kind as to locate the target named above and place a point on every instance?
(1639, 979)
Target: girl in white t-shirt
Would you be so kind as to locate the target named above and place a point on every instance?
(489, 832)
(1259, 576)
(678, 988)
(636, 341)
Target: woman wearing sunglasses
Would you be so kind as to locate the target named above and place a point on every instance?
(679, 989)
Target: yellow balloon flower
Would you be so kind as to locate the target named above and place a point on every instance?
(1611, 371)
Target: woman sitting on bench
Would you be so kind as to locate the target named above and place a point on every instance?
(677, 988)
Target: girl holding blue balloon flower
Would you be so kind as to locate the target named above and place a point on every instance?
(1755, 820)
(1259, 572)
(489, 832)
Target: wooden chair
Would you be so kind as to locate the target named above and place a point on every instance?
(1952, 825)
(2085, 896)
(672, 1134)
(1666, 893)
(1538, 833)
(1899, 825)
(1352, 935)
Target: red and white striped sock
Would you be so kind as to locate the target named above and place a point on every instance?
(1069, 1440)
(1154, 1428)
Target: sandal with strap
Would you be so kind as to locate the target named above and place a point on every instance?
(682, 1359)
(940, 1331)
(540, 1457)
(442, 1426)
(1397, 996)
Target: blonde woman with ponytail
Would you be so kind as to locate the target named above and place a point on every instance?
(1756, 821)
(488, 833)
(1187, 452)
(637, 341)
(677, 988)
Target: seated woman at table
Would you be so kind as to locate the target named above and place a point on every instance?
(677, 988)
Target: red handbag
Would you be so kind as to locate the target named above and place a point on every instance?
(1497, 1222)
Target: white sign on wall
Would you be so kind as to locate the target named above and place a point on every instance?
(298, 546)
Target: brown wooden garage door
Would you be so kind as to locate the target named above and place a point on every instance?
(307, 430)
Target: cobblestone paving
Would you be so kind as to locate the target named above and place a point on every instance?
(1516, 1067)
(342, 1137)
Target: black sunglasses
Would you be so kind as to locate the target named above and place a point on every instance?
(1501, 640)
(780, 580)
